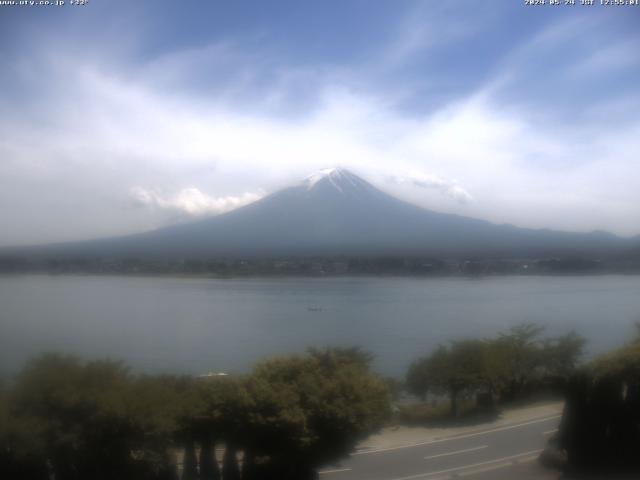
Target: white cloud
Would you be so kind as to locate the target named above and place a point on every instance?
(448, 187)
(191, 201)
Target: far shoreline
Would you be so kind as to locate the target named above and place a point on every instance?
(263, 276)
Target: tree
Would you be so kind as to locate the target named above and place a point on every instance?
(524, 361)
(561, 355)
(508, 366)
(600, 426)
(520, 353)
(156, 410)
(310, 410)
(455, 369)
(21, 449)
(355, 356)
(81, 411)
(94, 419)
(222, 416)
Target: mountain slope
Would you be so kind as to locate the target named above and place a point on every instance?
(335, 212)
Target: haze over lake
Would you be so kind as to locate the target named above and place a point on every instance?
(196, 325)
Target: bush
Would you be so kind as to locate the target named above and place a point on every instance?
(600, 428)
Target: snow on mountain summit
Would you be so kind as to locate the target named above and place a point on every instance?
(338, 179)
(331, 174)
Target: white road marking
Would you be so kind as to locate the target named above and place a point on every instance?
(490, 468)
(501, 461)
(456, 452)
(336, 470)
(458, 437)
(549, 432)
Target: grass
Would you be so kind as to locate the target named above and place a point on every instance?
(424, 414)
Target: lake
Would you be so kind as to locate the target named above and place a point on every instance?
(195, 325)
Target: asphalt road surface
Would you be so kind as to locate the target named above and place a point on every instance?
(501, 452)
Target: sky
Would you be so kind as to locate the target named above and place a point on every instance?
(119, 117)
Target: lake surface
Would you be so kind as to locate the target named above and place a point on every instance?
(198, 325)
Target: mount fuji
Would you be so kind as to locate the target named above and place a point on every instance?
(335, 212)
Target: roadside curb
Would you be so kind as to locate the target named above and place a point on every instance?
(552, 412)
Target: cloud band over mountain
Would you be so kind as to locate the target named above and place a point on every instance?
(446, 187)
(191, 201)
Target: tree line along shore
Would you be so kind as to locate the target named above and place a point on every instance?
(331, 266)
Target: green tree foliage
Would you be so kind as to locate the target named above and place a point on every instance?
(453, 370)
(312, 409)
(220, 419)
(526, 361)
(21, 449)
(561, 355)
(76, 420)
(80, 416)
(518, 356)
(513, 364)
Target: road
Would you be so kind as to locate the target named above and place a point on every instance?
(505, 451)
